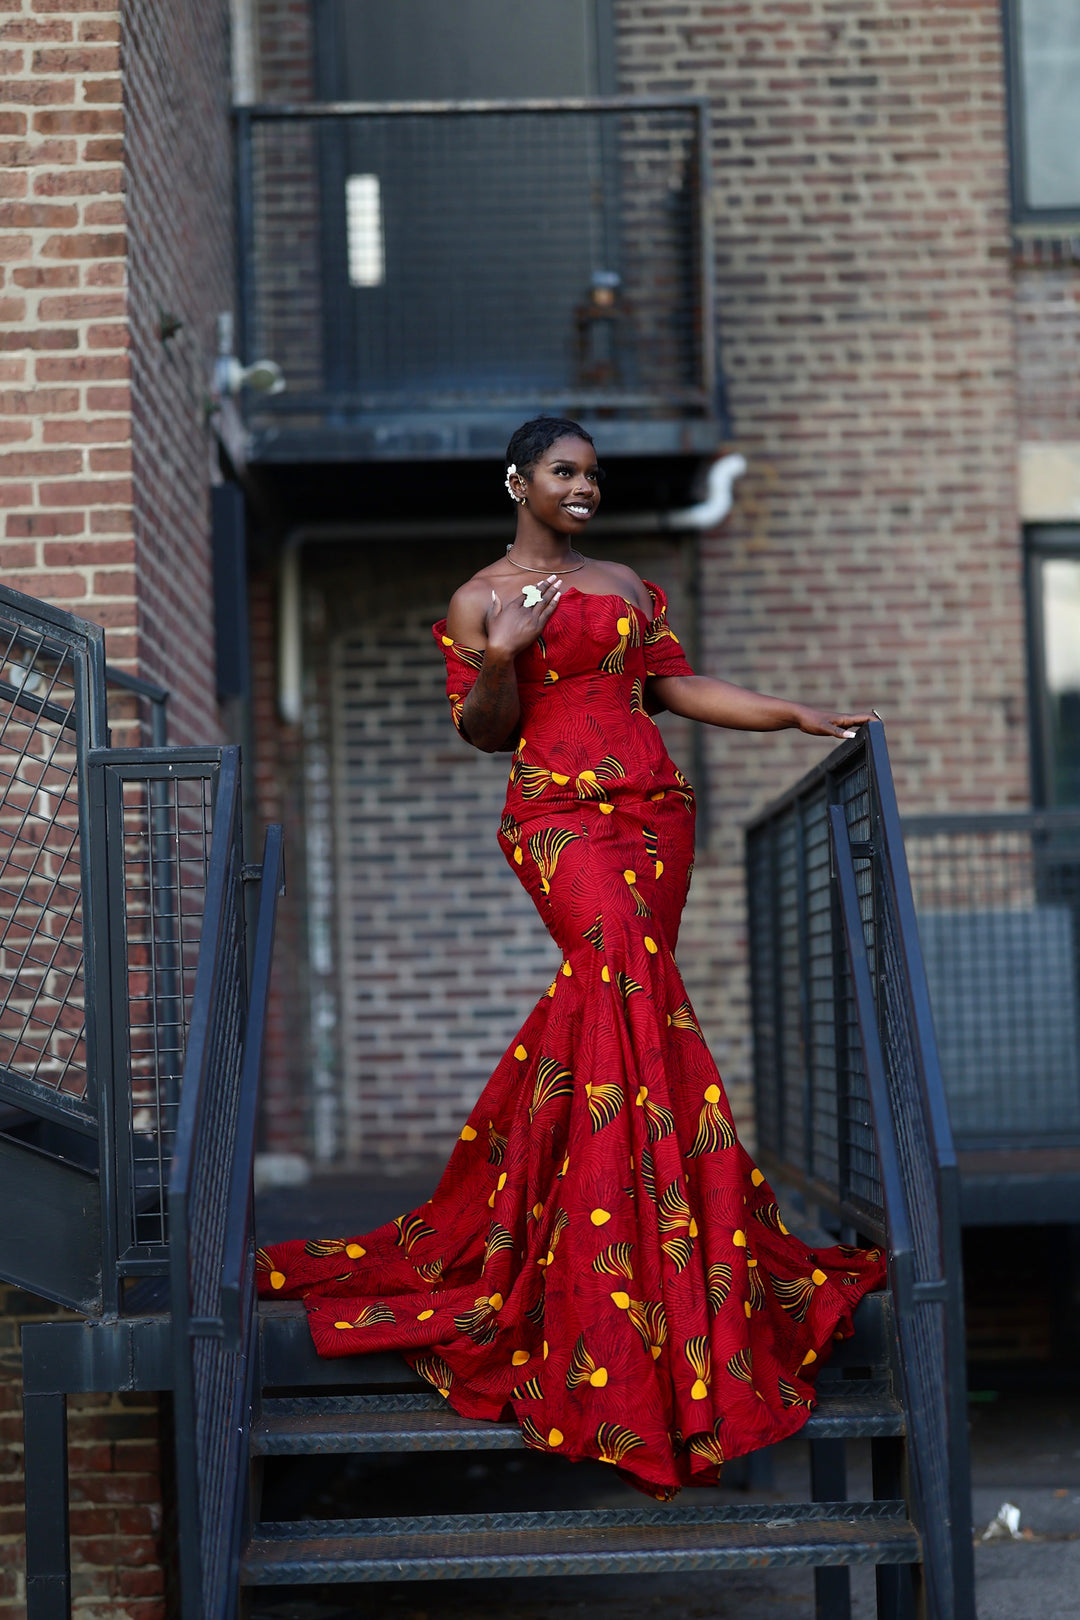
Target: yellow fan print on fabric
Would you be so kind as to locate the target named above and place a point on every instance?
(583, 1369)
(650, 1322)
(679, 1226)
(371, 1316)
(714, 1130)
(552, 1081)
(629, 634)
(545, 848)
(411, 1229)
(708, 1446)
(614, 1442)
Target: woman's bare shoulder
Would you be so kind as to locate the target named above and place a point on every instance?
(628, 584)
(466, 617)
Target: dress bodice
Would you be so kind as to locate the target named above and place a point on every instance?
(585, 732)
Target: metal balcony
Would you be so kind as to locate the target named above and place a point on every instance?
(430, 274)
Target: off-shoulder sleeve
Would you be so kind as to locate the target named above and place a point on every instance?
(463, 664)
(663, 653)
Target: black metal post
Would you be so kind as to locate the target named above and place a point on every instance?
(48, 1563)
(828, 1483)
(895, 1582)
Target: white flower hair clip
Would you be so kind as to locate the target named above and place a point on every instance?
(511, 472)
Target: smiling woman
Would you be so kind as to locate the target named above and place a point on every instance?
(601, 1255)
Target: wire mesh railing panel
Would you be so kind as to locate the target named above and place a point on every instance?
(42, 984)
(415, 261)
(167, 829)
(789, 990)
(761, 907)
(863, 1178)
(824, 1145)
(998, 902)
(151, 829)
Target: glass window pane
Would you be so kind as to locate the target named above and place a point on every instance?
(1049, 35)
(1061, 654)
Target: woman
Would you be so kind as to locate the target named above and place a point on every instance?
(601, 1255)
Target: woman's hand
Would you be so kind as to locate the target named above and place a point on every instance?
(823, 723)
(511, 626)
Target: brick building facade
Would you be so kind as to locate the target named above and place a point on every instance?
(886, 345)
(899, 360)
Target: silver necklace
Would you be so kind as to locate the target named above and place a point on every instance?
(529, 570)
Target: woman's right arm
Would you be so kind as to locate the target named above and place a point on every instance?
(492, 708)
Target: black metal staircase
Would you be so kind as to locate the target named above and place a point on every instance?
(859, 1400)
(142, 1143)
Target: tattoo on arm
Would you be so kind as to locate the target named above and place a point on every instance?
(492, 709)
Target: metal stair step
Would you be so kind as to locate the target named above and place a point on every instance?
(393, 1423)
(614, 1541)
(288, 1359)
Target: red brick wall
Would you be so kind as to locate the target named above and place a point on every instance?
(116, 210)
(114, 1458)
(180, 263)
(284, 43)
(1048, 344)
(65, 483)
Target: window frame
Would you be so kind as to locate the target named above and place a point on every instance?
(1023, 212)
(1043, 542)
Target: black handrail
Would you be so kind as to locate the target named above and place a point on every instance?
(157, 697)
(898, 1220)
(844, 1035)
(237, 1269)
(925, 1391)
(206, 1406)
(211, 1228)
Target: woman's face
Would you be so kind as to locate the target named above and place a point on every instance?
(563, 489)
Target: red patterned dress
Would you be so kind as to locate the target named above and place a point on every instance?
(601, 1256)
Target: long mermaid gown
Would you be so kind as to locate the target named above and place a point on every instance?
(601, 1257)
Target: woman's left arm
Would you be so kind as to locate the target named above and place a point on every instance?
(718, 703)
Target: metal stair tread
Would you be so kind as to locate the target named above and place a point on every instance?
(604, 1541)
(425, 1423)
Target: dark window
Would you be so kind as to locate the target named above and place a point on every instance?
(1054, 593)
(1043, 53)
(428, 50)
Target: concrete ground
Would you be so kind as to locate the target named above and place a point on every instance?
(1025, 1450)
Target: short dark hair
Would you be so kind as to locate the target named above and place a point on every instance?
(530, 441)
